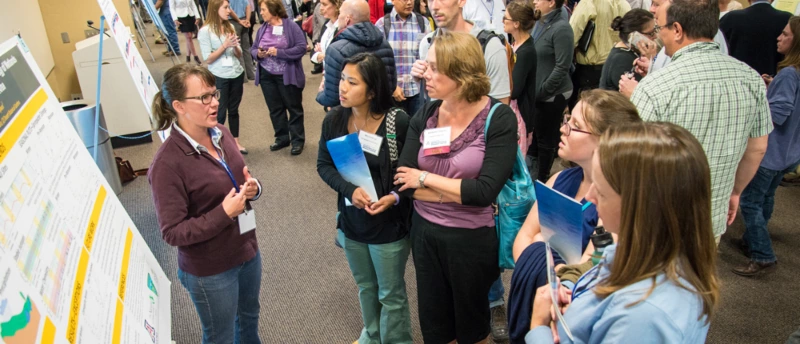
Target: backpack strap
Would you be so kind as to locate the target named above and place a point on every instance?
(391, 134)
(489, 119)
(485, 35)
(421, 21)
(387, 24)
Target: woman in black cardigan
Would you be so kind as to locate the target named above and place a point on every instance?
(372, 232)
(518, 22)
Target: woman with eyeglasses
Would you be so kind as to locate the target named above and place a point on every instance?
(518, 22)
(620, 59)
(221, 51)
(596, 112)
(202, 190)
(658, 283)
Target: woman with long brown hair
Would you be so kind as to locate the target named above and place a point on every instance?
(221, 51)
(651, 185)
(201, 190)
(783, 155)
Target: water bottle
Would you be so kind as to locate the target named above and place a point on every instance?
(600, 239)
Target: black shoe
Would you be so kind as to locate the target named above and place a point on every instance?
(499, 324)
(197, 59)
(754, 268)
(188, 59)
(296, 150)
(317, 69)
(278, 146)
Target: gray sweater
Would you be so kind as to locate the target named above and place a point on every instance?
(552, 37)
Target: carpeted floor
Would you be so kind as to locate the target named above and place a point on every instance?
(307, 292)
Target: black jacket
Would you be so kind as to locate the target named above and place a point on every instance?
(386, 227)
(524, 81)
(752, 34)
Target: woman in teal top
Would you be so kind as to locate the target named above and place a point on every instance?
(651, 184)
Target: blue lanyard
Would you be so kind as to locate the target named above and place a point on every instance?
(491, 12)
(579, 291)
(227, 169)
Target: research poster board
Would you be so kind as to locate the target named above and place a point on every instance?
(73, 266)
(124, 40)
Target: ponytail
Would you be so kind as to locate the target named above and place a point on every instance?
(163, 112)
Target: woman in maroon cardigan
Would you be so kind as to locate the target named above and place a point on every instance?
(201, 188)
(279, 47)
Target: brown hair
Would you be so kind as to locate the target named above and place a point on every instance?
(337, 4)
(460, 57)
(521, 11)
(173, 88)
(792, 57)
(219, 26)
(603, 109)
(662, 175)
(275, 8)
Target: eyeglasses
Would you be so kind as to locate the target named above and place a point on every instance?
(571, 129)
(657, 28)
(206, 98)
(507, 19)
(651, 33)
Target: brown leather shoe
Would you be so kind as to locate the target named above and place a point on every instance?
(754, 268)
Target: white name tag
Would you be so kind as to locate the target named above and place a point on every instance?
(370, 143)
(436, 141)
(247, 220)
(227, 61)
(277, 30)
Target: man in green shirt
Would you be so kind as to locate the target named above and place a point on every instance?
(720, 100)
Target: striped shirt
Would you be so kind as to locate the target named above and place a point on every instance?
(720, 100)
(404, 37)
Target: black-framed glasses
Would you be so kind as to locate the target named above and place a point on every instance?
(206, 98)
(652, 33)
(570, 129)
(507, 19)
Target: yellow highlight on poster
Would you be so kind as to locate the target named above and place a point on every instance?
(94, 220)
(117, 335)
(49, 332)
(77, 297)
(123, 274)
(17, 127)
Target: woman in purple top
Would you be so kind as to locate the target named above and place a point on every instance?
(278, 48)
(454, 174)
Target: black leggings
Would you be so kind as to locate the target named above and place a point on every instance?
(230, 95)
(546, 134)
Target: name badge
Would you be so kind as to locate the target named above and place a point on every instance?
(277, 30)
(436, 141)
(227, 61)
(370, 143)
(247, 220)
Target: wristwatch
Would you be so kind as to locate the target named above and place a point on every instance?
(422, 179)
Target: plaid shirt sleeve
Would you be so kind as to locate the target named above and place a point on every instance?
(762, 120)
(644, 103)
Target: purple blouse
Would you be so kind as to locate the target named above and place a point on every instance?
(272, 64)
(463, 162)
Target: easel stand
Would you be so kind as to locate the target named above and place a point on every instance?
(140, 28)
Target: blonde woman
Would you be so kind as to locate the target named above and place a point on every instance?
(221, 51)
(453, 172)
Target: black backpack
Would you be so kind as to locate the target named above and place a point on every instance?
(485, 36)
(387, 23)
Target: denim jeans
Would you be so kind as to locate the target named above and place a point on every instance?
(757, 203)
(497, 292)
(244, 40)
(169, 26)
(412, 104)
(227, 303)
(379, 272)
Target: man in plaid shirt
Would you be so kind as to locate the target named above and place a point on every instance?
(405, 33)
(720, 100)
